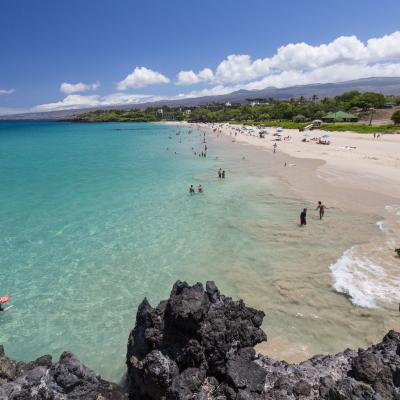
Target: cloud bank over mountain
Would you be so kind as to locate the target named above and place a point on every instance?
(345, 58)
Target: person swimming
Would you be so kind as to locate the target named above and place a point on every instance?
(303, 217)
(322, 208)
(3, 300)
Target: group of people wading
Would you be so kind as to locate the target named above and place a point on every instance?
(203, 153)
(303, 215)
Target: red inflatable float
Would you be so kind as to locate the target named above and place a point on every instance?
(4, 299)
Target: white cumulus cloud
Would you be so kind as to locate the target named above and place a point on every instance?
(344, 58)
(141, 77)
(212, 91)
(76, 101)
(69, 88)
(191, 78)
(7, 91)
(240, 68)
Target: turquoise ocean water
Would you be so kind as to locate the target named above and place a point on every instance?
(94, 217)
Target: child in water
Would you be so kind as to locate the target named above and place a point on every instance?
(200, 189)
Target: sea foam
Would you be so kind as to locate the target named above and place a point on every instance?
(369, 274)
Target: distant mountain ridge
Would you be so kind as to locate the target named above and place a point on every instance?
(386, 86)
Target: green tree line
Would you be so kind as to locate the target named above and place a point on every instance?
(297, 110)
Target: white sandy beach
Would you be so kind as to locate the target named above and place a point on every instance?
(352, 161)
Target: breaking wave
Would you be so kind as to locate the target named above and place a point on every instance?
(370, 273)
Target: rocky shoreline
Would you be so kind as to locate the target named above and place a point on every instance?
(198, 344)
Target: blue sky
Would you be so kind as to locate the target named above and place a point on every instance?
(45, 43)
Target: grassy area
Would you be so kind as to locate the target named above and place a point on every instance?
(360, 128)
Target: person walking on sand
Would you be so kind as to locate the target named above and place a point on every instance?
(322, 208)
(275, 146)
(303, 217)
(191, 190)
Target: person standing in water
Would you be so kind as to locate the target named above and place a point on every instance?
(322, 208)
(191, 190)
(303, 217)
(220, 173)
(223, 174)
(200, 189)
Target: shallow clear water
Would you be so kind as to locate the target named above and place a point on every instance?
(95, 217)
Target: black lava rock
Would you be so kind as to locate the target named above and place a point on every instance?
(198, 345)
(67, 379)
(203, 345)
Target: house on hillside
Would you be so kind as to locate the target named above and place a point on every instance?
(339, 116)
(389, 104)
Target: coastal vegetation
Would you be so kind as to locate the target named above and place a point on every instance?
(295, 113)
(150, 114)
(396, 117)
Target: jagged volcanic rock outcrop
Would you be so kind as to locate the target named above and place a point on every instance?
(197, 345)
(372, 374)
(193, 343)
(67, 379)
